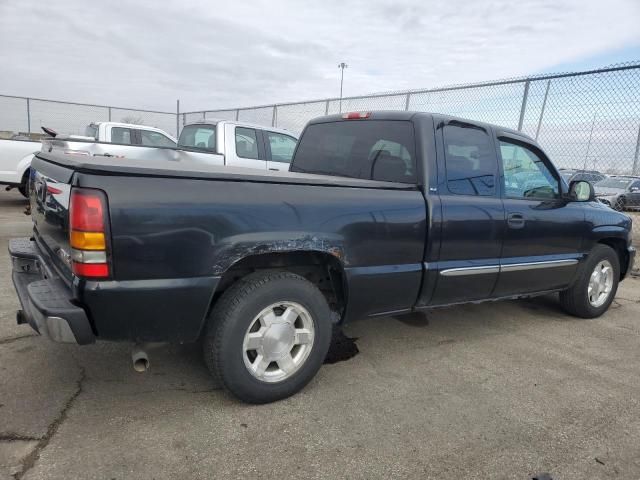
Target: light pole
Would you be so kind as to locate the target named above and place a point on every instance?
(342, 66)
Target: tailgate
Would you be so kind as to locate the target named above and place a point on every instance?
(50, 191)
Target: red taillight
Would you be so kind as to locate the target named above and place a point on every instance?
(356, 115)
(53, 190)
(87, 209)
(92, 270)
(87, 235)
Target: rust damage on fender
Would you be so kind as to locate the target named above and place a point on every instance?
(238, 247)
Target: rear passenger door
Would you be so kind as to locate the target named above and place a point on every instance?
(244, 147)
(473, 217)
(280, 149)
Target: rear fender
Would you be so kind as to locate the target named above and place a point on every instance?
(235, 248)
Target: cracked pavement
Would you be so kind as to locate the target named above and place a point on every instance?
(504, 390)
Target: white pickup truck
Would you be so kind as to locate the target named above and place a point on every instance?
(205, 143)
(16, 155)
(239, 144)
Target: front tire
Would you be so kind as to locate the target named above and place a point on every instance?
(592, 294)
(267, 336)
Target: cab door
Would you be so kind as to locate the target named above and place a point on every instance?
(472, 214)
(543, 231)
(244, 147)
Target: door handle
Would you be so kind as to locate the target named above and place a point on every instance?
(273, 169)
(515, 220)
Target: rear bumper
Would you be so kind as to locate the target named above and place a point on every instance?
(47, 302)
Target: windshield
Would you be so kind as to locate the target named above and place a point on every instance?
(91, 131)
(619, 183)
(202, 137)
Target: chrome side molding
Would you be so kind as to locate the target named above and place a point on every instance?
(458, 272)
(512, 267)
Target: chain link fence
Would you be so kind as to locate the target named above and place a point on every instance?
(22, 117)
(588, 122)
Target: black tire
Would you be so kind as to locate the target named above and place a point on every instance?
(234, 313)
(575, 300)
(23, 188)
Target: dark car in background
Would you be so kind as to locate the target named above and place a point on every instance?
(591, 176)
(620, 192)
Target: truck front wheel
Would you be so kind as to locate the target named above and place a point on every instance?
(596, 286)
(267, 336)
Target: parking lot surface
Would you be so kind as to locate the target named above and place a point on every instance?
(500, 390)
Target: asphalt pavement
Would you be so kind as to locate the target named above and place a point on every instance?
(508, 390)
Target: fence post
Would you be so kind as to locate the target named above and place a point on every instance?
(237, 114)
(28, 116)
(326, 108)
(184, 119)
(406, 105)
(109, 110)
(177, 117)
(544, 105)
(635, 170)
(524, 105)
(274, 117)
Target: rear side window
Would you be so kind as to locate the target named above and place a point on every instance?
(370, 149)
(246, 143)
(201, 137)
(121, 135)
(470, 159)
(282, 146)
(155, 139)
(91, 131)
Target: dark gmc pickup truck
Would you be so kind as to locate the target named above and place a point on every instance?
(382, 213)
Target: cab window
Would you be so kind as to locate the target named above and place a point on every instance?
(372, 149)
(121, 135)
(282, 147)
(470, 161)
(200, 137)
(246, 143)
(155, 139)
(525, 173)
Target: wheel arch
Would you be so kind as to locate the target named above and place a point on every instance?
(323, 268)
(619, 245)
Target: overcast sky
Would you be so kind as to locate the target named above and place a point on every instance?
(224, 54)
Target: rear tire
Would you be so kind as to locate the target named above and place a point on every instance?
(23, 188)
(597, 284)
(289, 320)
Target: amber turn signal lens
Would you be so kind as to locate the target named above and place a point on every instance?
(88, 240)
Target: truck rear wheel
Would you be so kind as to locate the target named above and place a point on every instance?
(267, 336)
(595, 289)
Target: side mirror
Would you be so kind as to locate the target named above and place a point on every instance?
(581, 191)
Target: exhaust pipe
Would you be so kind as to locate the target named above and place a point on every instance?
(139, 358)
